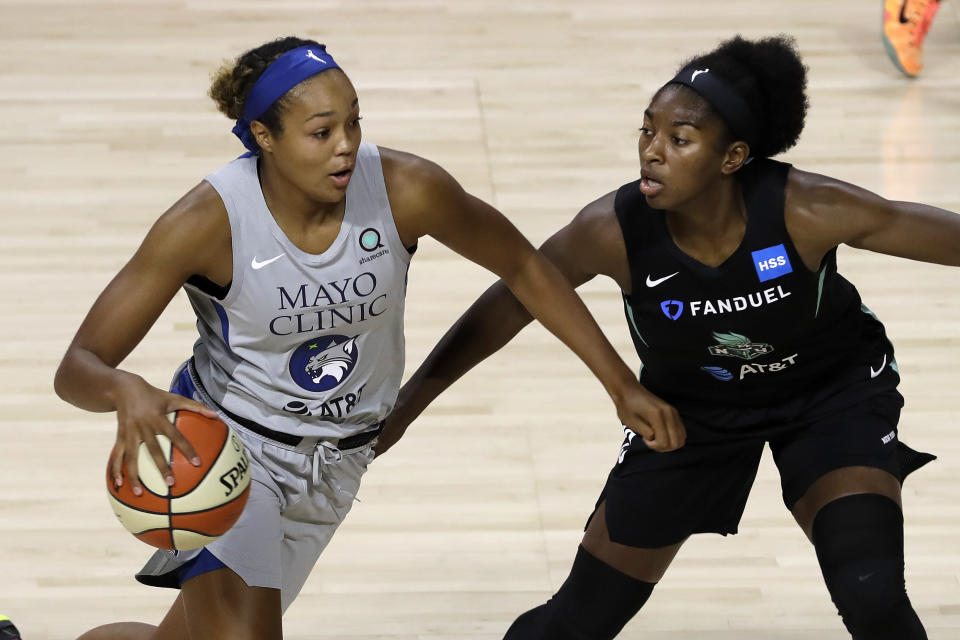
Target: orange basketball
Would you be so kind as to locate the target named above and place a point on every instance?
(204, 501)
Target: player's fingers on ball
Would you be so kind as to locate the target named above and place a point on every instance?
(133, 473)
(116, 464)
(179, 402)
(180, 442)
(176, 402)
(156, 453)
(205, 410)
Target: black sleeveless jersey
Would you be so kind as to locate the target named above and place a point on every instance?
(759, 329)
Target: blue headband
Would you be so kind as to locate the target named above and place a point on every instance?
(724, 99)
(283, 74)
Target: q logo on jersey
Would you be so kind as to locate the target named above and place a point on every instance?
(323, 363)
(370, 240)
(771, 262)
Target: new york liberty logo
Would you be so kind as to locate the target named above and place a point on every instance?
(737, 346)
(324, 363)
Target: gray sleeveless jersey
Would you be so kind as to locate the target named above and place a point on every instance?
(306, 344)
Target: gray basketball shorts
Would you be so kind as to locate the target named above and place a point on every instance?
(298, 497)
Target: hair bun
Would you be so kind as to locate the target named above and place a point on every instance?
(768, 74)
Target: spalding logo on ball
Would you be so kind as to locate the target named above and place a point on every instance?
(204, 501)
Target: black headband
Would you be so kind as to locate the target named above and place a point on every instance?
(725, 99)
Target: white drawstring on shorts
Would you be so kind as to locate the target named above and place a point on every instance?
(324, 453)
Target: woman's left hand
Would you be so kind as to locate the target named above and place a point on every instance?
(657, 422)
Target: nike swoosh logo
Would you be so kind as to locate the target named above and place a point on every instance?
(874, 374)
(903, 12)
(260, 265)
(866, 577)
(653, 283)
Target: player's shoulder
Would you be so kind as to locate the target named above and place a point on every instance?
(412, 178)
(405, 163)
(411, 170)
(596, 223)
(594, 240)
(819, 200)
(200, 212)
(806, 189)
(193, 235)
(600, 211)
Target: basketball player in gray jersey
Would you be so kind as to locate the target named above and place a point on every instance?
(294, 258)
(328, 324)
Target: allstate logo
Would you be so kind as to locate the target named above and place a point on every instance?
(673, 309)
(323, 363)
(718, 372)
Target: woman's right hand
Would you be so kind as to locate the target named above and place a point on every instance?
(142, 411)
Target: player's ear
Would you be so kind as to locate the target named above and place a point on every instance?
(734, 157)
(262, 135)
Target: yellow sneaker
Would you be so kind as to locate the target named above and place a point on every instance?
(905, 25)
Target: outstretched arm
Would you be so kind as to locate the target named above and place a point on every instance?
(489, 324)
(823, 213)
(532, 285)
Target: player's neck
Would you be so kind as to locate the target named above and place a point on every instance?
(714, 213)
(289, 203)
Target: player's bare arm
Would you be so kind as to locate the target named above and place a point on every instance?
(824, 212)
(191, 238)
(580, 251)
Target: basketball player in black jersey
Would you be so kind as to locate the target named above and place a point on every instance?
(727, 263)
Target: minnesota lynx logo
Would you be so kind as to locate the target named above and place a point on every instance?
(324, 363)
(738, 346)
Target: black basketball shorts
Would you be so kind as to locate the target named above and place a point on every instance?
(657, 499)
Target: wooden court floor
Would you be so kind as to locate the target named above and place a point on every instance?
(533, 105)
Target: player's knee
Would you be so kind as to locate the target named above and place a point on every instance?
(867, 592)
(859, 543)
(594, 603)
